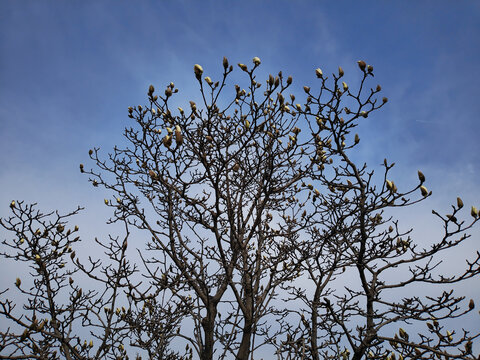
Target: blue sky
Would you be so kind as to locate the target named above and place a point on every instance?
(70, 69)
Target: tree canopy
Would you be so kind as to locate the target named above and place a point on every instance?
(266, 235)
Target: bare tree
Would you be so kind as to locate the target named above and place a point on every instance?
(256, 213)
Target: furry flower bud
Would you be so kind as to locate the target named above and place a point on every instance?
(474, 212)
(421, 177)
(198, 71)
(424, 191)
(178, 135)
(362, 64)
(459, 203)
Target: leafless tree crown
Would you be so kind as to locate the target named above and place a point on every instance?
(265, 235)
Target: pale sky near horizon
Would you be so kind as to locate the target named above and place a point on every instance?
(70, 69)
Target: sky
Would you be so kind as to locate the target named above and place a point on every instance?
(70, 69)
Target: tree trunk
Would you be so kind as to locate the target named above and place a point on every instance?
(208, 324)
(244, 350)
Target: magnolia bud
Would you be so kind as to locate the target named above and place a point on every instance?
(256, 61)
(208, 80)
(449, 336)
(236, 167)
(362, 64)
(345, 86)
(243, 67)
(90, 152)
(474, 212)
(389, 185)
(167, 140)
(289, 80)
(151, 89)
(452, 218)
(370, 68)
(105, 201)
(459, 203)
(319, 73)
(281, 99)
(471, 304)
(60, 228)
(340, 71)
(18, 282)
(306, 89)
(403, 334)
(357, 139)
(225, 63)
(384, 99)
(81, 168)
(178, 135)
(424, 191)
(12, 204)
(421, 177)
(152, 174)
(41, 325)
(198, 71)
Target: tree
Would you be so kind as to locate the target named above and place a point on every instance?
(256, 213)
